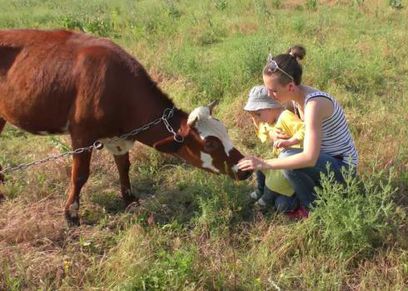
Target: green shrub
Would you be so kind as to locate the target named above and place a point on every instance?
(8, 281)
(311, 4)
(221, 4)
(356, 218)
(396, 4)
(170, 271)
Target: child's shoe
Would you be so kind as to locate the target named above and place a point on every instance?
(255, 195)
(298, 214)
(261, 203)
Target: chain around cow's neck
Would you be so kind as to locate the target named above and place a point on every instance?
(167, 114)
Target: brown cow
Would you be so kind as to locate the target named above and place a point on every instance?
(56, 82)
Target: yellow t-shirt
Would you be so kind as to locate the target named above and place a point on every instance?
(291, 125)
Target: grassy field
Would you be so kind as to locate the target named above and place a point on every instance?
(194, 231)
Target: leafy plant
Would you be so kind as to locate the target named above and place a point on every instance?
(397, 4)
(172, 10)
(311, 4)
(276, 4)
(221, 4)
(59, 144)
(354, 218)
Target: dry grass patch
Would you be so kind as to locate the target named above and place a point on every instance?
(243, 28)
(22, 223)
(31, 237)
(388, 270)
(37, 249)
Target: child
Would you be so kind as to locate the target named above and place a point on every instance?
(268, 117)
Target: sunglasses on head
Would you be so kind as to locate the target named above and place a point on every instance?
(272, 67)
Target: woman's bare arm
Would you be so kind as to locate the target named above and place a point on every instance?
(316, 111)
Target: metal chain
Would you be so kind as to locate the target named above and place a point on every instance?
(39, 162)
(167, 113)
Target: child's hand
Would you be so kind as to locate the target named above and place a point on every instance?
(283, 143)
(278, 134)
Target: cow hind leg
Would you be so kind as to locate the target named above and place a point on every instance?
(79, 176)
(123, 165)
(2, 124)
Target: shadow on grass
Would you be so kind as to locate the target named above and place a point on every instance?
(165, 199)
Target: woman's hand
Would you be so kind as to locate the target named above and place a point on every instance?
(251, 163)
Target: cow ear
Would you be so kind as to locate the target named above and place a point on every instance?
(192, 121)
(212, 105)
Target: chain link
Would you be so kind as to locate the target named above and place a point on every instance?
(167, 114)
(52, 158)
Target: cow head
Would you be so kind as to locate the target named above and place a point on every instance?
(206, 144)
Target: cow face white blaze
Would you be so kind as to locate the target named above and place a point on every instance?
(207, 126)
(207, 162)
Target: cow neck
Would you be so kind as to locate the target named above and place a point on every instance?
(159, 132)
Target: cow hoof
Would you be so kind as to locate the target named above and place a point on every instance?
(72, 221)
(72, 214)
(1, 176)
(2, 197)
(132, 206)
(130, 199)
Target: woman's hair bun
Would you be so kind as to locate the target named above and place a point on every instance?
(297, 51)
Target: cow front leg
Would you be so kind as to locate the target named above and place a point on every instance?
(79, 176)
(2, 124)
(123, 164)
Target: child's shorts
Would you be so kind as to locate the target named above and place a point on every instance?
(276, 181)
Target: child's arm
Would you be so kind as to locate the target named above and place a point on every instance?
(285, 143)
(262, 130)
(277, 134)
(293, 126)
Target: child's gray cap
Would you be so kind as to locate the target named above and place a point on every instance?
(258, 99)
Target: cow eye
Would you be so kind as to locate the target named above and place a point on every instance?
(210, 145)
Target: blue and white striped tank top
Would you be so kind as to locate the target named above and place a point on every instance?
(336, 137)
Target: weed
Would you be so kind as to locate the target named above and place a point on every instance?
(277, 4)
(59, 144)
(397, 4)
(170, 270)
(8, 281)
(70, 22)
(221, 4)
(261, 8)
(193, 230)
(311, 4)
(354, 219)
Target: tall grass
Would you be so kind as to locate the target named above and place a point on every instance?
(195, 231)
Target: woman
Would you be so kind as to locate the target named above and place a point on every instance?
(327, 137)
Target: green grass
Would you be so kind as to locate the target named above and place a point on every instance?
(196, 231)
